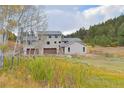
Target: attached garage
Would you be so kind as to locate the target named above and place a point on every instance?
(50, 51)
(32, 51)
(28, 51)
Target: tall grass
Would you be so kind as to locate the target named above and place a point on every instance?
(57, 72)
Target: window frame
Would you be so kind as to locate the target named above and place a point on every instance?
(55, 42)
(56, 36)
(59, 42)
(69, 49)
(84, 49)
(50, 36)
(48, 42)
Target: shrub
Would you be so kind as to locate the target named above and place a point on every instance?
(40, 69)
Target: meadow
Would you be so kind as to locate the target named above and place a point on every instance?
(53, 71)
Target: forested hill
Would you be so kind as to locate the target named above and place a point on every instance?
(109, 33)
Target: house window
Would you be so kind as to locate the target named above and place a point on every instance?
(49, 36)
(59, 41)
(68, 49)
(65, 41)
(56, 36)
(48, 42)
(83, 49)
(54, 42)
(29, 43)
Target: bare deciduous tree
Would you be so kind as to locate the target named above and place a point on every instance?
(12, 18)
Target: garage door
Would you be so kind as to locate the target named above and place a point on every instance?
(32, 51)
(50, 51)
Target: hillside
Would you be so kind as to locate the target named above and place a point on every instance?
(109, 33)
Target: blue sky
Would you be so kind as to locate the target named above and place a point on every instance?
(69, 18)
(85, 7)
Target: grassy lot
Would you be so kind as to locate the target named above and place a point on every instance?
(98, 71)
(109, 63)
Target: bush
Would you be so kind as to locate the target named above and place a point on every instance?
(102, 40)
(120, 40)
(114, 44)
(121, 35)
(40, 69)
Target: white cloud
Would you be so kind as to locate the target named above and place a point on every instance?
(105, 11)
(70, 20)
(66, 32)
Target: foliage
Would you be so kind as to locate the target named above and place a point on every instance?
(11, 36)
(4, 48)
(109, 33)
(102, 40)
(121, 35)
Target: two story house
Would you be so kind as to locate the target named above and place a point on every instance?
(52, 42)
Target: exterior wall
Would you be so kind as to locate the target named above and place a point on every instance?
(33, 44)
(75, 48)
(32, 51)
(41, 43)
(46, 39)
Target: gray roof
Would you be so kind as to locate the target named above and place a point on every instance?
(71, 41)
(50, 32)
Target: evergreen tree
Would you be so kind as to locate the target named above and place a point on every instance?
(109, 33)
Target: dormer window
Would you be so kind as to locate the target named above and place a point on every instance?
(56, 36)
(49, 36)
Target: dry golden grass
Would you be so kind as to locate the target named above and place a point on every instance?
(118, 51)
(59, 72)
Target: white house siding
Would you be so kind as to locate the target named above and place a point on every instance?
(75, 48)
